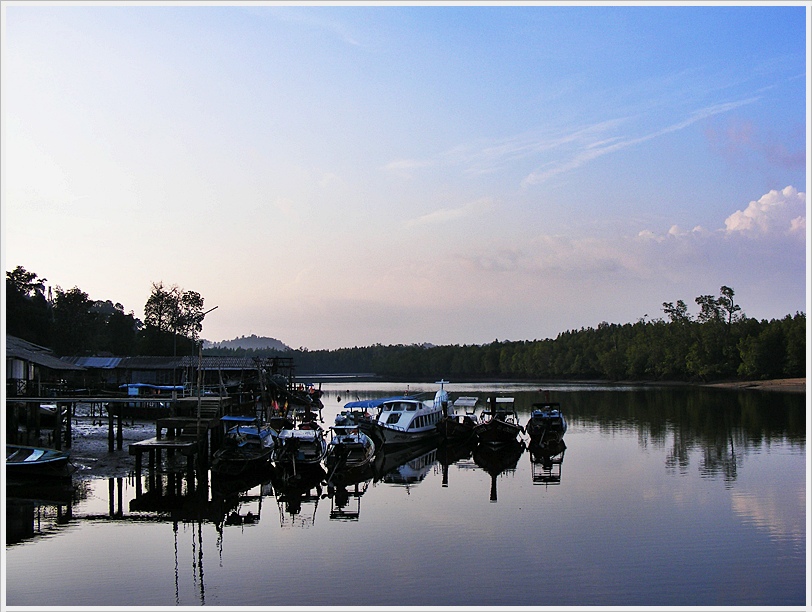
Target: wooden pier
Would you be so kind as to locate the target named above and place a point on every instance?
(203, 411)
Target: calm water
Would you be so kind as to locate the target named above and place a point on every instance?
(663, 497)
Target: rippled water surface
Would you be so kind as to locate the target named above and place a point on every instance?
(663, 497)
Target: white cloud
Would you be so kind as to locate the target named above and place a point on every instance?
(774, 212)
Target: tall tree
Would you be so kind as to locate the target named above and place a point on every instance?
(74, 323)
(173, 320)
(28, 311)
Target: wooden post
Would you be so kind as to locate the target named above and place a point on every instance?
(68, 425)
(138, 469)
(109, 430)
(57, 427)
(36, 415)
(14, 426)
(119, 433)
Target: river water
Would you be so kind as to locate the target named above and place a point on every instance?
(663, 497)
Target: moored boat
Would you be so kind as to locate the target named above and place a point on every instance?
(459, 419)
(348, 450)
(247, 446)
(499, 422)
(546, 422)
(408, 419)
(300, 447)
(35, 462)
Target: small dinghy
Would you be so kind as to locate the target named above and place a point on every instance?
(35, 462)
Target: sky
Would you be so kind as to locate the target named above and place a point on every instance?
(347, 175)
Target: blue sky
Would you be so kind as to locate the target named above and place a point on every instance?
(338, 176)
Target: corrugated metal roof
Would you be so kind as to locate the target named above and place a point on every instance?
(17, 348)
(164, 363)
(215, 362)
(101, 363)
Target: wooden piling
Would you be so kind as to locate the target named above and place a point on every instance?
(68, 425)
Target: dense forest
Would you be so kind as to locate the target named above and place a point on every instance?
(719, 343)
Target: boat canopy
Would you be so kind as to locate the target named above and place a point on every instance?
(233, 418)
(374, 403)
(133, 388)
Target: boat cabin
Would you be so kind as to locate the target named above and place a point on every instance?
(409, 414)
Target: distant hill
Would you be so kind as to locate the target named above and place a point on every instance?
(249, 342)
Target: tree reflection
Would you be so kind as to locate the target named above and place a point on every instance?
(721, 426)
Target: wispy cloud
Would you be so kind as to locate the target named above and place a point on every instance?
(566, 150)
(590, 150)
(444, 215)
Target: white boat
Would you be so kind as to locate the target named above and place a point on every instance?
(408, 419)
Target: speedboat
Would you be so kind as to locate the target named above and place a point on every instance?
(408, 419)
(247, 445)
(499, 422)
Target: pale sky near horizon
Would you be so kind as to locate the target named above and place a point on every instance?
(338, 176)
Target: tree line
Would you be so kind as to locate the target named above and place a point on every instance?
(70, 323)
(720, 342)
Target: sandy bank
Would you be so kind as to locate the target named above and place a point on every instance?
(794, 385)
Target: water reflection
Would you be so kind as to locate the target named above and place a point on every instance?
(546, 458)
(735, 457)
(498, 460)
(298, 493)
(346, 500)
(37, 509)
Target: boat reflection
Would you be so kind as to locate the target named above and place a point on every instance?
(298, 493)
(450, 452)
(407, 465)
(498, 460)
(546, 458)
(346, 500)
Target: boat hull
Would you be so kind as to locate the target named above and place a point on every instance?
(455, 428)
(497, 433)
(399, 437)
(29, 462)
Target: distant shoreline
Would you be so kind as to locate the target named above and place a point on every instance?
(791, 385)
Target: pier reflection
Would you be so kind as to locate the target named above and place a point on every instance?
(35, 509)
